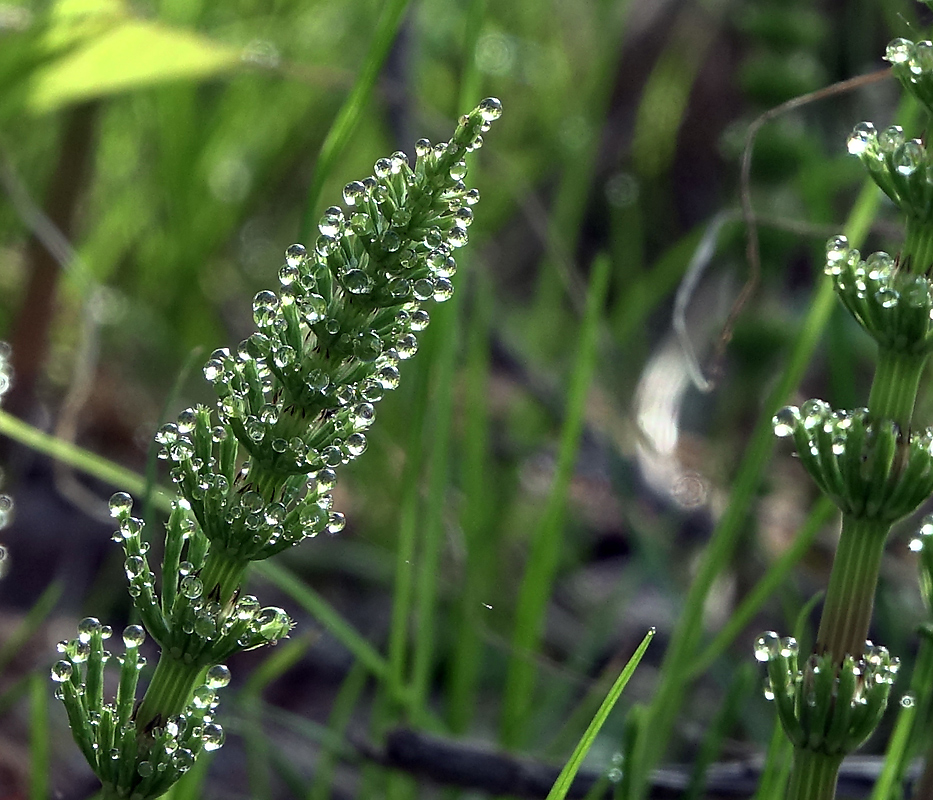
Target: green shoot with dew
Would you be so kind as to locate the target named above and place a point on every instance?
(255, 474)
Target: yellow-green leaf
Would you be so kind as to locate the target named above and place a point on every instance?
(130, 55)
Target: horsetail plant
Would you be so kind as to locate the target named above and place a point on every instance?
(874, 463)
(254, 475)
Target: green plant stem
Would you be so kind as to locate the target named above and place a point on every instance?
(223, 573)
(851, 593)
(917, 252)
(814, 776)
(168, 692)
(894, 388)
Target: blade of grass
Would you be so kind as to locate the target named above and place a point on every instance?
(352, 109)
(770, 581)
(346, 701)
(30, 624)
(325, 614)
(469, 647)
(545, 547)
(678, 659)
(38, 738)
(445, 323)
(569, 772)
(731, 710)
(258, 751)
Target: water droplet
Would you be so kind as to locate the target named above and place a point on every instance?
(357, 282)
(423, 289)
(391, 242)
(120, 503)
(490, 109)
(265, 306)
(87, 627)
(212, 736)
(295, 255)
(887, 297)
(899, 51)
(133, 636)
(908, 157)
(61, 671)
(191, 587)
(836, 249)
(458, 171)
(326, 480)
(922, 60)
(183, 760)
(862, 137)
(134, 566)
(368, 346)
(767, 646)
(423, 148)
(356, 444)
(336, 522)
(314, 307)
(457, 236)
(144, 768)
(217, 677)
(247, 607)
(353, 192)
(891, 138)
(363, 416)
(443, 290)
(332, 223)
(785, 421)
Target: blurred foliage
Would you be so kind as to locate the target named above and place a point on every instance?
(622, 133)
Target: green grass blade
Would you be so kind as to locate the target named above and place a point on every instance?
(469, 647)
(770, 581)
(678, 660)
(38, 738)
(545, 548)
(569, 772)
(346, 701)
(429, 567)
(77, 457)
(324, 613)
(258, 751)
(30, 624)
(352, 110)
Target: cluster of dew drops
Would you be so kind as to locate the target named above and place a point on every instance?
(875, 666)
(195, 725)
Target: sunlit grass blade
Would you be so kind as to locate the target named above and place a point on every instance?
(568, 773)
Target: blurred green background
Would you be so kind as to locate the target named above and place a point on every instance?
(155, 161)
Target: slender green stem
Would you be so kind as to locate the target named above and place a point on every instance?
(894, 388)
(221, 573)
(917, 252)
(851, 593)
(168, 692)
(814, 776)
